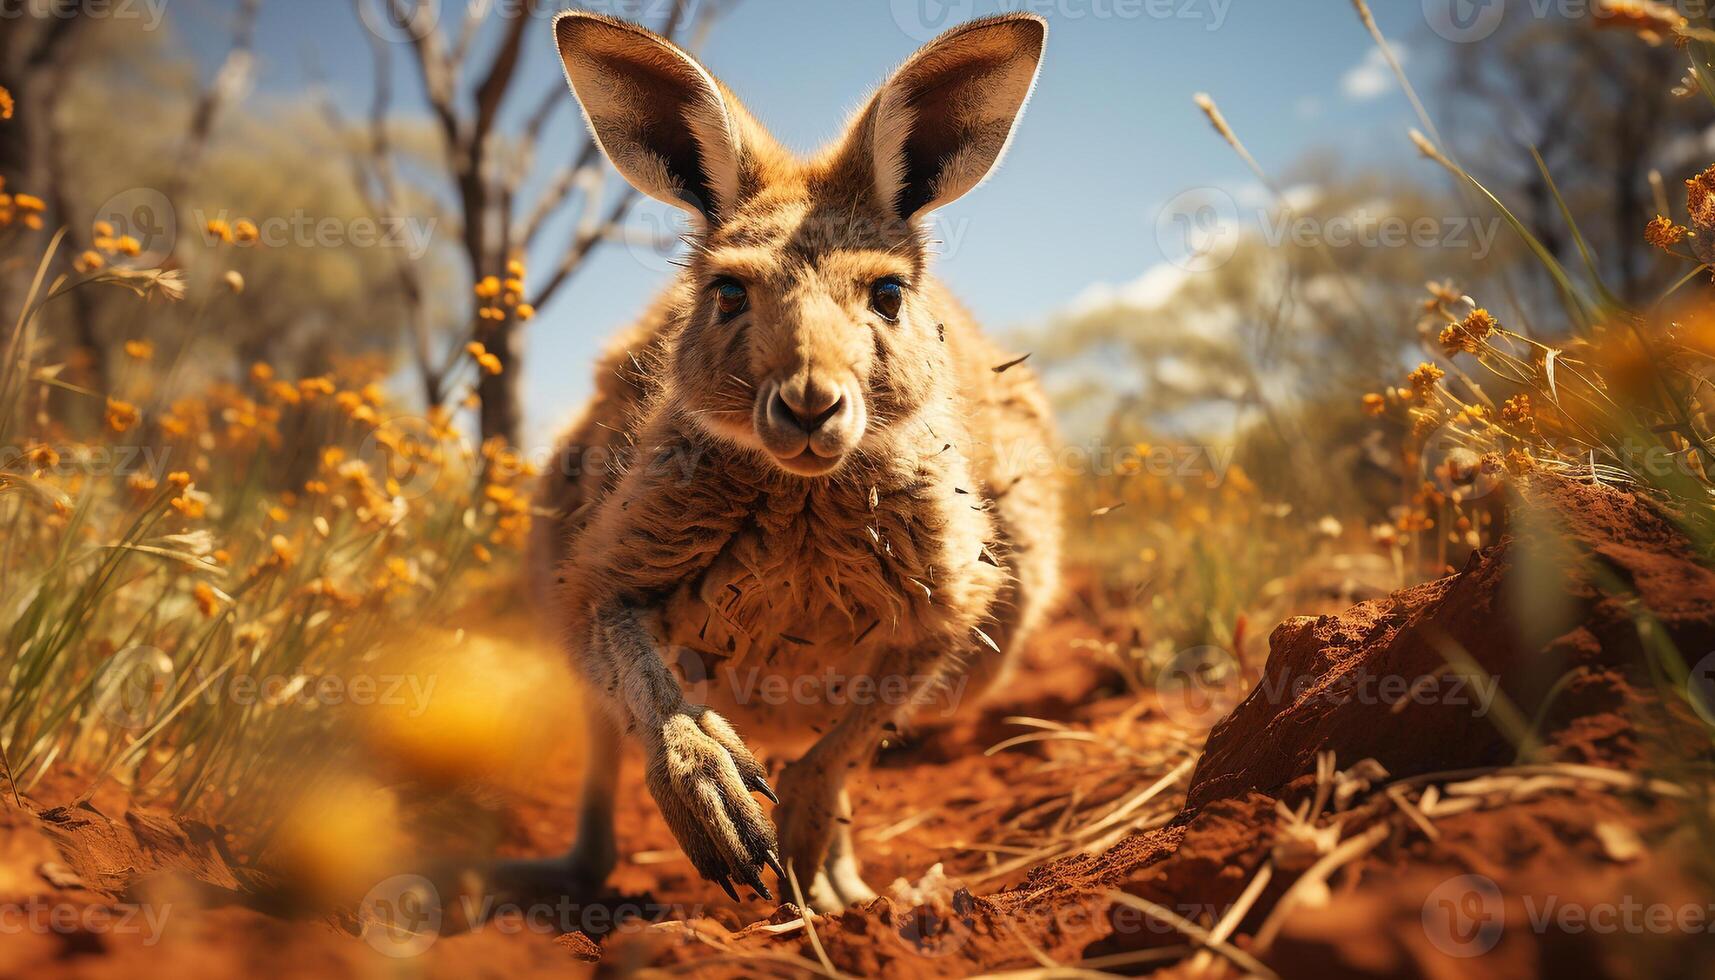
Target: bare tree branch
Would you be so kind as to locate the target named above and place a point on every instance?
(226, 86)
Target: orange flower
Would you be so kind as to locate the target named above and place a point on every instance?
(120, 415)
(1374, 404)
(245, 231)
(139, 350)
(1700, 199)
(1517, 410)
(284, 553)
(525, 311)
(221, 229)
(1664, 234)
(1647, 19)
(1425, 377)
(1467, 335)
(42, 457)
(207, 603)
(7, 106)
(89, 261)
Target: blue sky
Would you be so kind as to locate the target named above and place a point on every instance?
(1110, 137)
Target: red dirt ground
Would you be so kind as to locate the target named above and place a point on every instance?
(937, 798)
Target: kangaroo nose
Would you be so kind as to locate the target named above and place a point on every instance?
(809, 407)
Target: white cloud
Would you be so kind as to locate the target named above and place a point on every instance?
(1371, 77)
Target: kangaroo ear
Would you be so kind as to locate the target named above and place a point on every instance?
(942, 122)
(656, 113)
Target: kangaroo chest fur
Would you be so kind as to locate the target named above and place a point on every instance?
(790, 617)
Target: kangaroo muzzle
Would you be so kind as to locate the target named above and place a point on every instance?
(808, 424)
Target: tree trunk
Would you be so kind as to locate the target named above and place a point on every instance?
(502, 416)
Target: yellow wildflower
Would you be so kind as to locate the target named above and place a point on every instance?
(221, 229)
(1517, 410)
(121, 415)
(1700, 199)
(89, 261)
(205, 598)
(245, 231)
(1425, 377)
(42, 457)
(7, 106)
(1374, 404)
(1468, 335)
(1648, 19)
(139, 350)
(1664, 234)
(526, 311)
(191, 503)
(284, 553)
(488, 288)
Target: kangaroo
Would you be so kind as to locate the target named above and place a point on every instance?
(808, 494)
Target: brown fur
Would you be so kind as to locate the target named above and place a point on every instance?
(686, 562)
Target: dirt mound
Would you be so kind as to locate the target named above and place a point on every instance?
(1544, 625)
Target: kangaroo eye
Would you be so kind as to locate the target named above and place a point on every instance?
(885, 298)
(730, 297)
